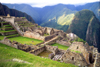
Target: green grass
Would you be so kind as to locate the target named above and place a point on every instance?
(2, 37)
(8, 53)
(7, 25)
(12, 35)
(23, 40)
(76, 51)
(60, 46)
(26, 40)
(6, 31)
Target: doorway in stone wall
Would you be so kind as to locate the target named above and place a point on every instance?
(91, 59)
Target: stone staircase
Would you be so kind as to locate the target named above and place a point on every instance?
(7, 30)
(58, 56)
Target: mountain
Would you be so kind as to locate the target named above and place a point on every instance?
(4, 10)
(62, 16)
(58, 16)
(33, 12)
(86, 26)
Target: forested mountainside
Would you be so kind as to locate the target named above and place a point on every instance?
(59, 16)
(4, 10)
(86, 26)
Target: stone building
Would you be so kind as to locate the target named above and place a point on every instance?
(50, 31)
(79, 54)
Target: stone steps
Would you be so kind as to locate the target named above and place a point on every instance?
(8, 30)
(5, 23)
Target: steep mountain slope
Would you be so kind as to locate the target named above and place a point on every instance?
(4, 10)
(57, 16)
(91, 6)
(86, 26)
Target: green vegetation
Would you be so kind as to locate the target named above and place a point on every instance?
(46, 34)
(76, 51)
(1, 37)
(23, 17)
(60, 46)
(65, 19)
(9, 36)
(78, 40)
(8, 53)
(26, 40)
(38, 26)
(6, 31)
(23, 40)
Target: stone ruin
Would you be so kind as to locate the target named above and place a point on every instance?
(33, 49)
(78, 53)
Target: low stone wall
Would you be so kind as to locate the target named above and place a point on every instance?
(34, 35)
(50, 37)
(62, 42)
(38, 51)
(27, 48)
(53, 49)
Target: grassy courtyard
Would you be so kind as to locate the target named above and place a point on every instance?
(8, 53)
(24, 40)
(60, 46)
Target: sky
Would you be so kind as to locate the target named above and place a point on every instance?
(42, 3)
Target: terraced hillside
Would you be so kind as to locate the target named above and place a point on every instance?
(7, 30)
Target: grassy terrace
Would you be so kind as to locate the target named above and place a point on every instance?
(60, 46)
(8, 53)
(6, 31)
(24, 40)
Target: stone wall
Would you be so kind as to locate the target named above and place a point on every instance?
(27, 48)
(79, 46)
(53, 49)
(18, 19)
(63, 42)
(50, 31)
(9, 19)
(38, 51)
(74, 58)
(34, 35)
(47, 38)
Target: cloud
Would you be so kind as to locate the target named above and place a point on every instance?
(42, 3)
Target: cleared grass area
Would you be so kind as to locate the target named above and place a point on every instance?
(26, 40)
(8, 53)
(60, 46)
